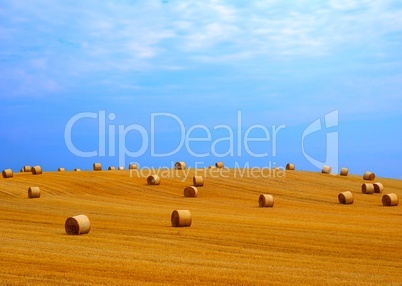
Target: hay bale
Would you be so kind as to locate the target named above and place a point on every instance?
(33, 192)
(180, 165)
(191, 192)
(77, 170)
(266, 200)
(367, 188)
(390, 200)
(181, 218)
(198, 181)
(346, 198)
(61, 170)
(27, 168)
(326, 169)
(22, 170)
(132, 166)
(378, 187)
(97, 167)
(211, 167)
(36, 170)
(290, 166)
(111, 168)
(153, 180)
(370, 176)
(121, 168)
(219, 165)
(344, 171)
(77, 225)
(7, 173)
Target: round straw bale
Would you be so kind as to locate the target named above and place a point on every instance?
(153, 180)
(7, 173)
(378, 187)
(345, 198)
(121, 168)
(22, 170)
(266, 200)
(211, 167)
(111, 168)
(219, 165)
(367, 188)
(390, 200)
(180, 165)
(326, 169)
(27, 168)
(77, 170)
(33, 192)
(36, 170)
(344, 171)
(61, 169)
(181, 218)
(369, 176)
(290, 166)
(132, 166)
(97, 167)
(77, 225)
(191, 192)
(198, 181)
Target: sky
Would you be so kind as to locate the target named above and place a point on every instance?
(249, 83)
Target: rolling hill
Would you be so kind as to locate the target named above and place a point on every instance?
(306, 238)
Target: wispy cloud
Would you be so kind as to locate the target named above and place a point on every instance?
(136, 31)
(52, 46)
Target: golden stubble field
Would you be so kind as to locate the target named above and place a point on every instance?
(307, 238)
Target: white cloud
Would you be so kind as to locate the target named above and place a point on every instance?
(134, 32)
(277, 30)
(348, 5)
(208, 37)
(94, 41)
(23, 83)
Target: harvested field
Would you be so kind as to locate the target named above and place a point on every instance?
(308, 238)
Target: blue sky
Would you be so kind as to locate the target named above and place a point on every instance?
(276, 63)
